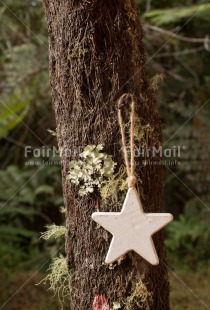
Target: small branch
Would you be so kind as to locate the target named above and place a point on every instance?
(205, 41)
(148, 6)
(186, 52)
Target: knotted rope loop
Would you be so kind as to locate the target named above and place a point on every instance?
(130, 166)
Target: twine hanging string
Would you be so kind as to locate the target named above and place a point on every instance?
(130, 166)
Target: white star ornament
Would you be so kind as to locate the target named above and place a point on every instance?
(132, 229)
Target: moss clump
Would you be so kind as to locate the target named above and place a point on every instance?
(140, 297)
(54, 231)
(63, 210)
(142, 133)
(58, 278)
(110, 187)
(154, 82)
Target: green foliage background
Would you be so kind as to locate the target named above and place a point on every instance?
(30, 195)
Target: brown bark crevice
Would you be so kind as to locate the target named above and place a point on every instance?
(96, 55)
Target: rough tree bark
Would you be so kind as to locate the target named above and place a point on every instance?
(96, 55)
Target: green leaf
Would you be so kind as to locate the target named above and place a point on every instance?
(17, 211)
(12, 112)
(176, 15)
(8, 230)
(44, 189)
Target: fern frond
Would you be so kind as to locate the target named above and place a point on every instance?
(175, 15)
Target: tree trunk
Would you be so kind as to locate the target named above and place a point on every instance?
(96, 55)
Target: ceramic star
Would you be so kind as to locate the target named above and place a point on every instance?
(132, 229)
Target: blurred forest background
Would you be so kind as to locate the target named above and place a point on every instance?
(178, 53)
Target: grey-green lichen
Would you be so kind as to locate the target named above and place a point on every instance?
(93, 167)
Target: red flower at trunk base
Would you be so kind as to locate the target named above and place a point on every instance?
(100, 303)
